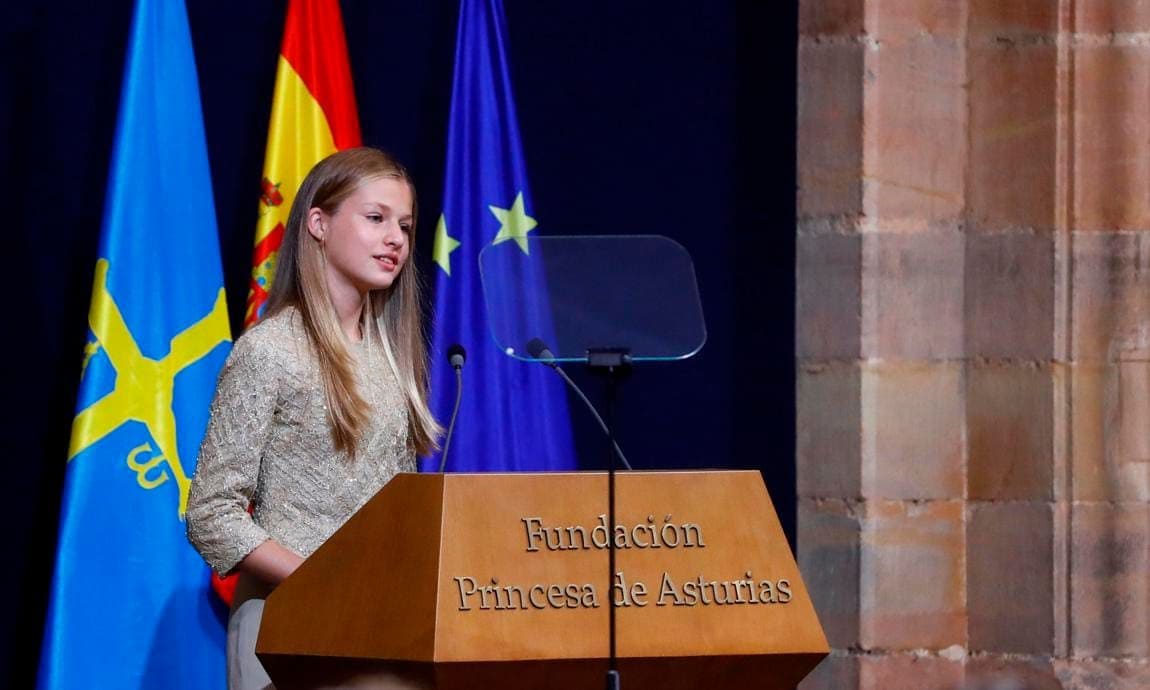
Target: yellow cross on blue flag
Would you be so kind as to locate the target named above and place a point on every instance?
(513, 415)
(128, 607)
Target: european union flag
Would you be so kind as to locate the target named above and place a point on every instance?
(514, 414)
(128, 604)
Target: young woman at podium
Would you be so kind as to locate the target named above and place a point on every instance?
(324, 400)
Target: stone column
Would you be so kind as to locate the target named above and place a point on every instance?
(973, 337)
(1107, 346)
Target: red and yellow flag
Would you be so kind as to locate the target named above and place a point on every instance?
(313, 116)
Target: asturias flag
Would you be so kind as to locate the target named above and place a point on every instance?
(313, 116)
(128, 608)
(513, 415)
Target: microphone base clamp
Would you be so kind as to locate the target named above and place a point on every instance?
(609, 357)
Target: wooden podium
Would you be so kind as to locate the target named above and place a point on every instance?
(501, 581)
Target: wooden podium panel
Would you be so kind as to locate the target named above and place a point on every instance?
(501, 580)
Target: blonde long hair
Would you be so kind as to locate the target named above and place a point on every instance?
(392, 316)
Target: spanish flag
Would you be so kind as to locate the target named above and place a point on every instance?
(313, 116)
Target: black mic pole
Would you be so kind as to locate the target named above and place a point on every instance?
(614, 363)
(613, 660)
(456, 356)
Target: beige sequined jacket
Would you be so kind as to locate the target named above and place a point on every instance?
(269, 443)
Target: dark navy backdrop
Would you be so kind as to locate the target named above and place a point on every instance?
(670, 117)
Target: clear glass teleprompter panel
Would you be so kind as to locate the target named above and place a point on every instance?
(578, 293)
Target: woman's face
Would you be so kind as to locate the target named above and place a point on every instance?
(368, 238)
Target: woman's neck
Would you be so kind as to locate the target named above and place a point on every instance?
(348, 303)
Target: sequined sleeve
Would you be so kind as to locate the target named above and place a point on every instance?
(218, 523)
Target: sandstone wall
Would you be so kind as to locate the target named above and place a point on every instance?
(973, 341)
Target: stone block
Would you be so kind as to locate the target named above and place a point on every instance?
(828, 276)
(1112, 137)
(1060, 599)
(828, 548)
(830, 18)
(1110, 580)
(828, 432)
(913, 420)
(830, 129)
(1113, 17)
(1010, 577)
(909, 672)
(1013, 145)
(1103, 674)
(915, 139)
(991, 21)
(912, 579)
(1010, 431)
(912, 296)
(1110, 444)
(1000, 672)
(1010, 296)
(1111, 296)
(893, 21)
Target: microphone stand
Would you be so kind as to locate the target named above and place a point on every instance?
(542, 354)
(615, 365)
(456, 356)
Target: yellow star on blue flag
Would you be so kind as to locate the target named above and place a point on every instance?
(487, 201)
(514, 223)
(444, 245)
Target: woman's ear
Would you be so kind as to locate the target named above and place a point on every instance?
(316, 224)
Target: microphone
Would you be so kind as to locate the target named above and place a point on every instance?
(456, 356)
(542, 354)
(539, 350)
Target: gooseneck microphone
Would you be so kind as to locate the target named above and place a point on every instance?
(539, 350)
(541, 353)
(456, 356)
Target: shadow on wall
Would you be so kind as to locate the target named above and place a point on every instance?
(1122, 547)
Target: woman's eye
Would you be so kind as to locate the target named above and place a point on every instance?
(375, 217)
(406, 228)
